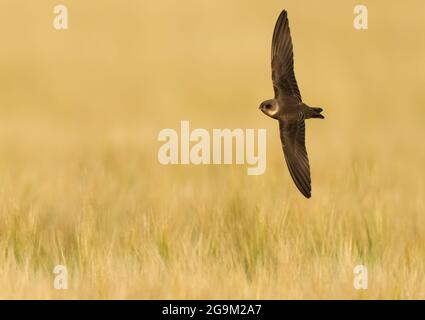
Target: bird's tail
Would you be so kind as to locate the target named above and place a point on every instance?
(316, 113)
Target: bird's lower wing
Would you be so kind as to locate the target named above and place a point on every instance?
(292, 136)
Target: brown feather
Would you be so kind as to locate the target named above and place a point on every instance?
(284, 81)
(292, 136)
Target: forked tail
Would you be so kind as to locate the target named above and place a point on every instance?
(316, 113)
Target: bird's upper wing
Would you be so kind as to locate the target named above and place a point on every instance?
(292, 136)
(283, 76)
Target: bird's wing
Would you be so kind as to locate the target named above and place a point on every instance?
(292, 136)
(284, 82)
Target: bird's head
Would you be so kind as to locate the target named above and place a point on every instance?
(269, 108)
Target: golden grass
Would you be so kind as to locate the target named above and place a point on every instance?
(80, 183)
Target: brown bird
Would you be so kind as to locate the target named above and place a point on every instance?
(288, 108)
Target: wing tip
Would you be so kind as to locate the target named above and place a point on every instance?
(307, 194)
(303, 186)
(283, 15)
(304, 189)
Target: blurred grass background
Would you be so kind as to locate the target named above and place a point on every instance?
(80, 111)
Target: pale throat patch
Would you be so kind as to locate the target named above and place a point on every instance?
(273, 110)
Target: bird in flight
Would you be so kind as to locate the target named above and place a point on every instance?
(288, 108)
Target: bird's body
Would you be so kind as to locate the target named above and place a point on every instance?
(288, 108)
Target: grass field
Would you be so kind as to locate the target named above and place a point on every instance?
(81, 186)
